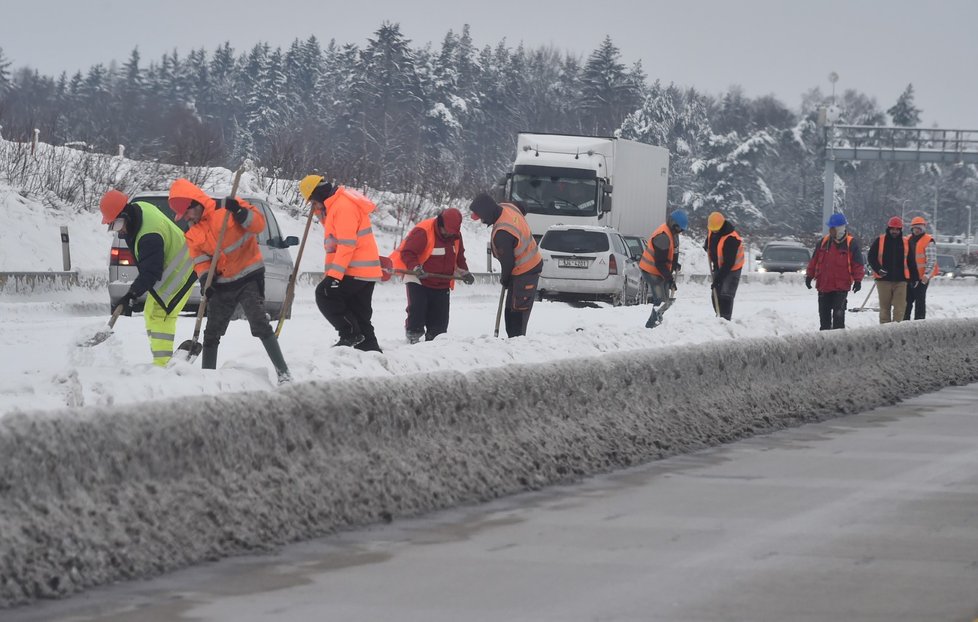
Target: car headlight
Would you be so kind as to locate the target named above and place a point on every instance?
(761, 269)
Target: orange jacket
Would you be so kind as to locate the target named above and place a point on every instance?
(919, 252)
(239, 253)
(429, 227)
(348, 237)
(648, 255)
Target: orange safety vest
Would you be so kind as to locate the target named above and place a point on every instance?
(920, 253)
(511, 221)
(351, 249)
(906, 253)
(429, 226)
(739, 261)
(240, 255)
(648, 255)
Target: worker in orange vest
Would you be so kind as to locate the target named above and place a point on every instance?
(660, 262)
(432, 250)
(888, 259)
(922, 263)
(725, 251)
(239, 278)
(345, 295)
(519, 259)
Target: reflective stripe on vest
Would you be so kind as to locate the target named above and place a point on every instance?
(920, 254)
(879, 257)
(526, 253)
(177, 265)
(428, 226)
(648, 255)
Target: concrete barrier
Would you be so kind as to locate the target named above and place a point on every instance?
(102, 494)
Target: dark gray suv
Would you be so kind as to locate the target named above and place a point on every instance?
(274, 250)
(782, 257)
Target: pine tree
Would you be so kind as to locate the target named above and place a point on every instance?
(904, 113)
(5, 83)
(608, 92)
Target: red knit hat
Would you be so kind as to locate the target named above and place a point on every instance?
(451, 219)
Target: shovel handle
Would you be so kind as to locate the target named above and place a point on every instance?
(115, 315)
(499, 310)
(290, 290)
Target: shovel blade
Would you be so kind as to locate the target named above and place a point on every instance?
(190, 349)
(97, 338)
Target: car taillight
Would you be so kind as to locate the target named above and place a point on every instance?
(612, 265)
(121, 257)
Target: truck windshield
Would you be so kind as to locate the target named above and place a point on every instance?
(556, 196)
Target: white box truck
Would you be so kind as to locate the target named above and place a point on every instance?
(589, 180)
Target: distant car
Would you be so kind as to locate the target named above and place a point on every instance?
(274, 250)
(947, 266)
(786, 256)
(589, 263)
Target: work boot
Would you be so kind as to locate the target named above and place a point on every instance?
(653, 320)
(275, 354)
(369, 345)
(414, 336)
(349, 340)
(208, 357)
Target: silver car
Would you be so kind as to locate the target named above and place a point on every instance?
(588, 263)
(274, 250)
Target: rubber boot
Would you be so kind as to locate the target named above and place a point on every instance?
(208, 357)
(275, 354)
(414, 336)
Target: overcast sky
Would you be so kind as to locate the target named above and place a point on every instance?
(766, 46)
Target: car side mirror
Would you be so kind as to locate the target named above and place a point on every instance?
(757, 257)
(290, 241)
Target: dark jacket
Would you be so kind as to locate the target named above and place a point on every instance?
(489, 212)
(835, 265)
(894, 258)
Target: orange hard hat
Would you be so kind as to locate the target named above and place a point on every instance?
(895, 223)
(111, 205)
(918, 221)
(715, 221)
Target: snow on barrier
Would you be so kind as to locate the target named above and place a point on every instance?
(101, 494)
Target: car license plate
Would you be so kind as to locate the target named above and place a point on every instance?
(572, 263)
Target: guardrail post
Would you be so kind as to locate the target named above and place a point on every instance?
(122, 150)
(37, 134)
(65, 251)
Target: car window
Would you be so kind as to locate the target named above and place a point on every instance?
(163, 205)
(636, 246)
(575, 241)
(946, 262)
(270, 232)
(785, 253)
(619, 245)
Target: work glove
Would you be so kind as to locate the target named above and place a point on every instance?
(856, 286)
(330, 284)
(240, 212)
(207, 292)
(808, 282)
(468, 278)
(677, 267)
(418, 271)
(506, 280)
(128, 301)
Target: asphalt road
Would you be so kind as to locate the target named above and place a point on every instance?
(864, 518)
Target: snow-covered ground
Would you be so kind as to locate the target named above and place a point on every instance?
(43, 369)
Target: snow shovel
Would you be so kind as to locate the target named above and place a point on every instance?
(106, 331)
(499, 310)
(388, 269)
(193, 346)
(865, 300)
(290, 290)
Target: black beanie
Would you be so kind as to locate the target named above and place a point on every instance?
(484, 207)
(321, 192)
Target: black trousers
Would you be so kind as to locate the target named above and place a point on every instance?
(726, 292)
(349, 308)
(427, 310)
(916, 300)
(221, 306)
(519, 302)
(832, 309)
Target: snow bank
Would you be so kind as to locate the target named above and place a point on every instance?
(100, 494)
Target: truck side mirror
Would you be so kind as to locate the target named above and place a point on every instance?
(606, 203)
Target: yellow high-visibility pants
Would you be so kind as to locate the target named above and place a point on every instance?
(161, 327)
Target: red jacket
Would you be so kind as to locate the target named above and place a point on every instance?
(443, 258)
(835, 266)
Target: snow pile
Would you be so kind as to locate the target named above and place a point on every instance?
(100, 494)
